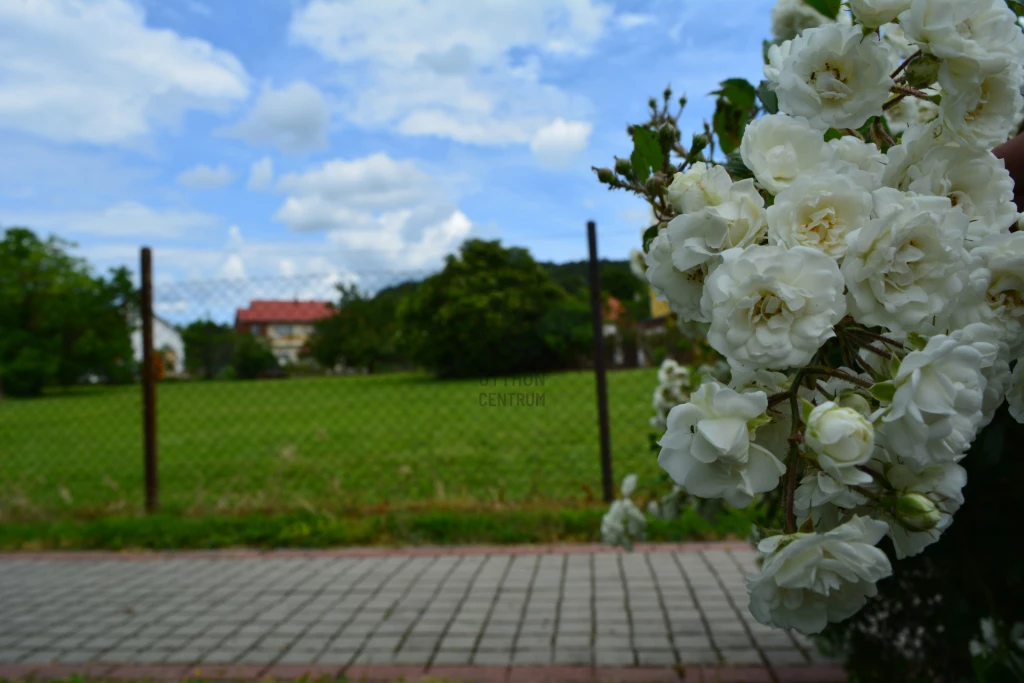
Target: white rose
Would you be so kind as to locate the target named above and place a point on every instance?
(681, 182)
(914, 144)
(894, 35)
(987, 340)
(682, 289)
(874, 13)
(707, 449)
(819, 211)
(809, 580)
(841, 439)
(623, 522)
(998, 380)
(910, 111)
(671, 372)
(822, 499)
(864, 155)
(791, 17)
(637, 266)
(985, 31)
(982, 114)
(942, 484)
(975, 181)
(936, 409)
(776, 57)
(836, 77)
(771, 307)
(904, 268)
(1015, 395)
(739, 220)
(996, 294)
(778, 149)
(711, 188)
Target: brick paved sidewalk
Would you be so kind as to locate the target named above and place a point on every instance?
(488, 614)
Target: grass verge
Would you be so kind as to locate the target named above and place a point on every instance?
(318, 530)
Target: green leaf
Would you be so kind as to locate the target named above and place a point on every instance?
(883, 391)
(649, 235)
(769, 100)
(736, 100)
(647, 156)
(806, 407)
(729, 122)
(1017, 6)
(832, 134)
(736, 168)
(830, 8)
(738, 91)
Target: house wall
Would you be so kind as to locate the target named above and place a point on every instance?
(164, 336)
(286, 339)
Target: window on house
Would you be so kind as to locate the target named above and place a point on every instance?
(255, 330)
(282, 330)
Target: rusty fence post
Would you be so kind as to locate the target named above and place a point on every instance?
(599, 364)
(148, 384)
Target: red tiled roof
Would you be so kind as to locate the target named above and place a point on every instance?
(262, 311)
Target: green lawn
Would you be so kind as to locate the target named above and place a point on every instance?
(346, 445)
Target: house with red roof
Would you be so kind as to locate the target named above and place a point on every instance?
(286, 325)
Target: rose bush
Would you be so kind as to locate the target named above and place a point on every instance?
(847, 240)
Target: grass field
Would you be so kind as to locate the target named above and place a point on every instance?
(344, 445)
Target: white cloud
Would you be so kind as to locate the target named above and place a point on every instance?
(465, 71)
(235, 241)
(630, 20)
(120, 220)
(233, 268)
(373, 182)
(559, 143)
(78, 71)
(261, 174)
(380, 212)
(204, 177)
(294, 119)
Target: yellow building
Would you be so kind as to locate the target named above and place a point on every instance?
(659, 308)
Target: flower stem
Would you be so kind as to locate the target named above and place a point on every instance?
(893, 102)
(904, 65)
(794, 449)
(832, 372)
(907, 90)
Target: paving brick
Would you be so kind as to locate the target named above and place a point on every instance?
(614, 658)
(786, 657)
(656, 657)
(259, 611)
(501, 658)
(577, 656)
(697, 657)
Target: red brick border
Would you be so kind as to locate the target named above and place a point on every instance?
(420, 551)
(463, 674)
(361, 552)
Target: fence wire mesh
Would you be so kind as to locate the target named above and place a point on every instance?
(248, 418)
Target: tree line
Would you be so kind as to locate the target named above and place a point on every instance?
(491, 310)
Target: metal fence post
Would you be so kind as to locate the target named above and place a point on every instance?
(148, 383)
(599, 363)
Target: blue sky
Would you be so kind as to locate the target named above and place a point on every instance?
(251, 138)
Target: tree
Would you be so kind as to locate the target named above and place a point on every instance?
(482, 314)
(252, 357)
(363, 331)
(209, 348)
(58, 321)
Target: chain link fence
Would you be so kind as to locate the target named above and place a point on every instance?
(257, 411)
